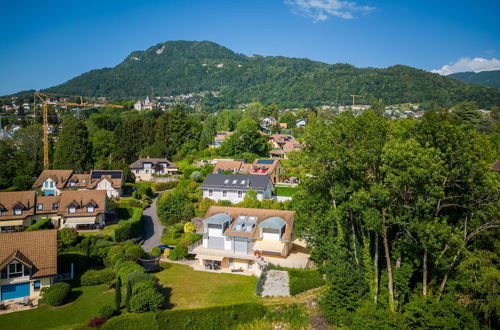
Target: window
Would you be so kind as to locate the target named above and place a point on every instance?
(90, 208)
(210, 192)
(18, 211)
(147, 171)
(36, 285)
(55, 206)
(46, 184)
(224, 193)
(51, 184)
(136, 171)
(240, 194)
(226, 181)
(84, 181)
(15, 269)
(71, 209)
(72, 183)
(39, 207)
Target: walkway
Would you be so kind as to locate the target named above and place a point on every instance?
(152, 229)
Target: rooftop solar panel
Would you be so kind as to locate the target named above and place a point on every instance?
(265, 161)
(99, 174)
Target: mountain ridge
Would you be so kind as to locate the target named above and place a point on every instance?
(179, 67)
(483, 78)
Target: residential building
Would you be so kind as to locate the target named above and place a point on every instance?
(271, 167)
(233, 187)
(300, 123)
(247, 239)
(282, 145)
(28, 263)
(144, 105)
(220, 137)
(72, 208)
(144, 169)
(53, 182)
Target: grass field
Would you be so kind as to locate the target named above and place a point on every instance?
(192, 289)
(88, 300)
(285, 190)
(108, 230)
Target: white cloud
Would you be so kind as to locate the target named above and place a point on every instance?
(321, 10)
(466, 64)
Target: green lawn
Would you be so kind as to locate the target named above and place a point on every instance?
(194, 289)
(108, 230)
(88, 301)
(285, 190)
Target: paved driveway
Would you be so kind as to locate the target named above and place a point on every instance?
(152, 229)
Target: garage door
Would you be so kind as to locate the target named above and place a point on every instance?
(14, 291)
(240, 246)
(216, 243)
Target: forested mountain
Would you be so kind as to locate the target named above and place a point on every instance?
(177, 67)
(485, 78)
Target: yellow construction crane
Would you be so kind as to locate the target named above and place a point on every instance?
(43, 98)
(354, 98)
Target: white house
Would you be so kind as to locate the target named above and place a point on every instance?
(300, 122)
(233, 187)
(144, 169)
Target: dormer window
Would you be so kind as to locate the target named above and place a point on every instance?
(39, 207)
(18, 211)
(55, 206)
(15, 269)
(71, 209)
(90, 208)
(46, 184)
(84, 181)
(72, 183)
(51, 184)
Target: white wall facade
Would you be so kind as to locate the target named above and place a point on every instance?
(233, 196)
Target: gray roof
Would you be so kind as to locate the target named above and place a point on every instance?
(139, 163)
(218, 219)
(273, 223)
(236, 181)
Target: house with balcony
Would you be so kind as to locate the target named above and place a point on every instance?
(80, 209)
(220, 137)
(270, 167)
(233, 187)
(283, 144)
(53, 182)
(145, 169)
(28, 263)
(247, 240)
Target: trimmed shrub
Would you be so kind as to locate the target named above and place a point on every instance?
(146, 321)
(179, 252)
(45, 223)
(56, 294)
(155, 252)
(64, 261)
(106, 312)
(304, 279)
(146, 300)
(96, 277)
(67, 236)
(137, 277)
(174, 206)
(145, 285)
(96, 322)
(134, 252)
(189, 227)
(160, 186)
(124, 268)
(144, 191)
(131, 228)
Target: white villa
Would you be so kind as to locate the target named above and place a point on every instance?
(233, 187)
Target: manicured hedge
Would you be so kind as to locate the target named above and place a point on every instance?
(96, 277)
(149, 299)
(56, 294)
(45, 223)
(131, 228)
(301, 280)
(124, 268)
(216, 318)
(64, 261)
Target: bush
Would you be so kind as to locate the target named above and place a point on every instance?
(23, 182)
(132, 228)
(56, 294)
(67, 236)
(141, 286)
(106, 312)
(137, 277)
(304, 279)
(155, 252)
(96, 277)
(174, 207)
(196, 176)
(146, 321)
(124, 268)
(96, 322)
(64, 261)
(144, 191)
(189, 227)
(45, 223)
(368, 316)
(135, 195)
(134, 252)
(146, 300)
(161, 186)
(179, 252)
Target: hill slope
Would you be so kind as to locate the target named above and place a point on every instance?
(177, 67)
(485, 78)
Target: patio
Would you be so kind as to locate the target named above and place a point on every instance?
(18, 305)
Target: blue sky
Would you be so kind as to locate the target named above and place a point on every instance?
(44, 43)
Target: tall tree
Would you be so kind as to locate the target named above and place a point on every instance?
(73, 149)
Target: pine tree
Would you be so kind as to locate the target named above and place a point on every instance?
(73, 151)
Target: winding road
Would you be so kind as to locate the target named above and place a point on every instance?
(152, 229)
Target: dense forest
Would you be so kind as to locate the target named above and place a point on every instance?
(178, 67)
(485, 78)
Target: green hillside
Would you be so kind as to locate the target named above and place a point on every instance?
(177, 67)
(485, 78)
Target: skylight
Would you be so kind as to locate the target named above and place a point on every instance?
(243, 181)
(226, 181)
(235, 181)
